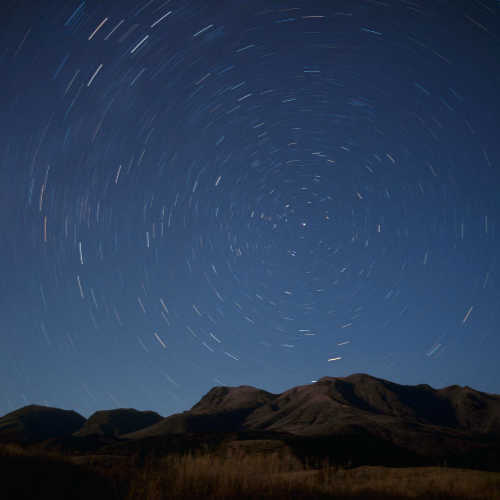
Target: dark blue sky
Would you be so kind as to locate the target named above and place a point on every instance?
(200, 193)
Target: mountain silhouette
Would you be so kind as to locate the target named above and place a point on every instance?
(337, 404)
(117, 422)
(37, 423)
(366, 414)
(358, 418)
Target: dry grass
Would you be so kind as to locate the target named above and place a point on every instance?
(252, 477)
(414, 482)
(245, 476)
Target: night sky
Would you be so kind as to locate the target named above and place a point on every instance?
(197, 193)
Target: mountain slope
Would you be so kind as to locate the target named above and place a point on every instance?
(117, 422)
(358, 418)
(439, 424)
(337, 404)
(322, 407)
(222, 409)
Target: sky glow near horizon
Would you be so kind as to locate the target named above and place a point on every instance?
(255, 193)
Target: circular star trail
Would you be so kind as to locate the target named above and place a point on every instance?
(256, 193)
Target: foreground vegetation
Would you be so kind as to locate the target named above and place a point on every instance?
(33, 474)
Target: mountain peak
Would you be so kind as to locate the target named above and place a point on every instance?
(354, 377)
(334, 403)
(223, 398)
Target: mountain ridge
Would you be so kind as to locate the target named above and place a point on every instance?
(455, 407)
(360, 411)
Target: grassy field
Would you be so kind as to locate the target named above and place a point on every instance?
(29, 474)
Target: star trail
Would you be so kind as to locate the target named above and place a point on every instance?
(201, 193)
